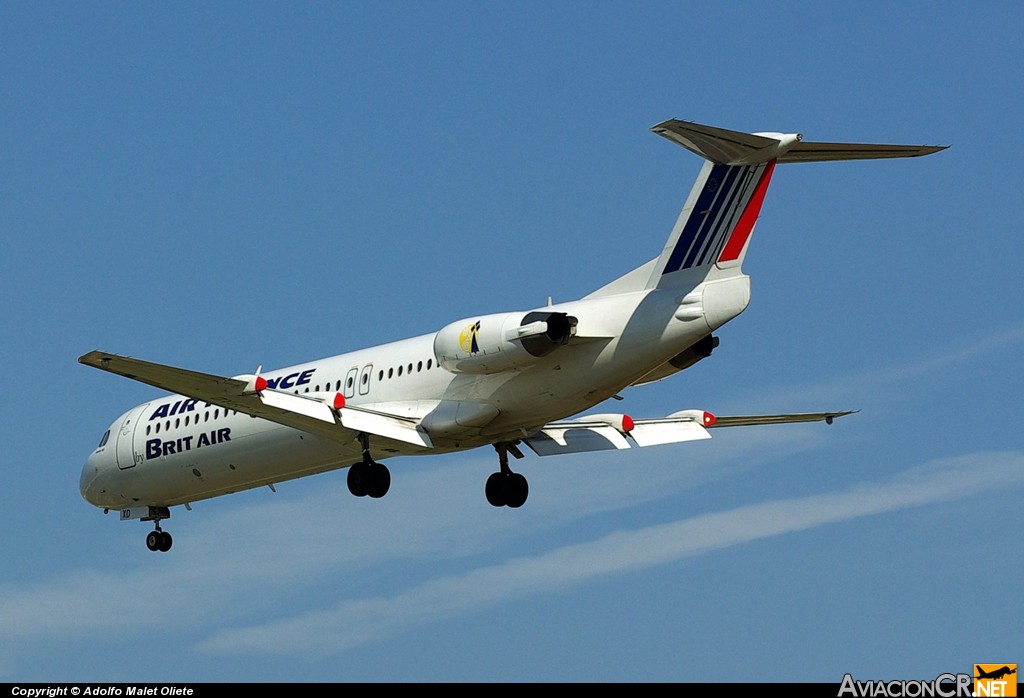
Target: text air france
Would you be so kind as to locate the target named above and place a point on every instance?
(292, 380)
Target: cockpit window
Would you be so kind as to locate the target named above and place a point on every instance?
(103, 441)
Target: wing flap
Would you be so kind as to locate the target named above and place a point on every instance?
(314, 409)
(581, 436)
(388, 426)
(564, 437)
(655, 432)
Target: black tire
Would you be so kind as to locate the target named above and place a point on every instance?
(518, 490)
(380, 480)
(358, 480)
(165, 541)
(497, 490)
(153, 540)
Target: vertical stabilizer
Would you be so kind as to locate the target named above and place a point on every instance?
(715, 225)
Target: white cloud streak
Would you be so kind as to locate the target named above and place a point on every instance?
(229, 562)
(245, 559)
(356, 622)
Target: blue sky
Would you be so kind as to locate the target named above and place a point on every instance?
(220, 186)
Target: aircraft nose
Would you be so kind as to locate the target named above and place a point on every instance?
(87, 481)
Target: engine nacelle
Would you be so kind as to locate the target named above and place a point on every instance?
(493, 343)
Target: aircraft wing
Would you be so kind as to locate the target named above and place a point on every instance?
(618, 431)
(757, 419)
(323, 416)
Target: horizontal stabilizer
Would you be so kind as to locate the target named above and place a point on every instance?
(725, 147)
(822, 152)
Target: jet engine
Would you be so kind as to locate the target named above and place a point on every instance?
(493, 343)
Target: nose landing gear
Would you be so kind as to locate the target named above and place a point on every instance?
(158, 540)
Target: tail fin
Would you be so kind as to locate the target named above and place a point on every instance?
(714, 227)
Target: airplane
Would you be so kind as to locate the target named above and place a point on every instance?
(996, 674)
(505, 380)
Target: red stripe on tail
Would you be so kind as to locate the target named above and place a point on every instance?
(739, 235)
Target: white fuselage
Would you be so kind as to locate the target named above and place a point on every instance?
(175, 450)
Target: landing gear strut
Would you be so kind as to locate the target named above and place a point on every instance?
(368, 477)
(506, 488)
(158, 540)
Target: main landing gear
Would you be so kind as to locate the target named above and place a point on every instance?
(158, 540)
(505, 488)
(368, 477)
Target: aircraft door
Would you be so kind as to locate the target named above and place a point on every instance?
(124, 449)
(365, 376)
(350, 382)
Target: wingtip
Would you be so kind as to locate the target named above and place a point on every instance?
(87, 357)
(96, 358)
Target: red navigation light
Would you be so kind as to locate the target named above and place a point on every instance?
(627, 423)
(339, 401)
(709, 419)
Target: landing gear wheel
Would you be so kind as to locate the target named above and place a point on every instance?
(517, 490)
(506, 488)
(497, 490)
(359, 480)
(159, 541)
(368, 477)
(154, 540)
(379, 480)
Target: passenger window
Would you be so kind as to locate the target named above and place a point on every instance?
(419, 366)
(399, 370)
(428, 363)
